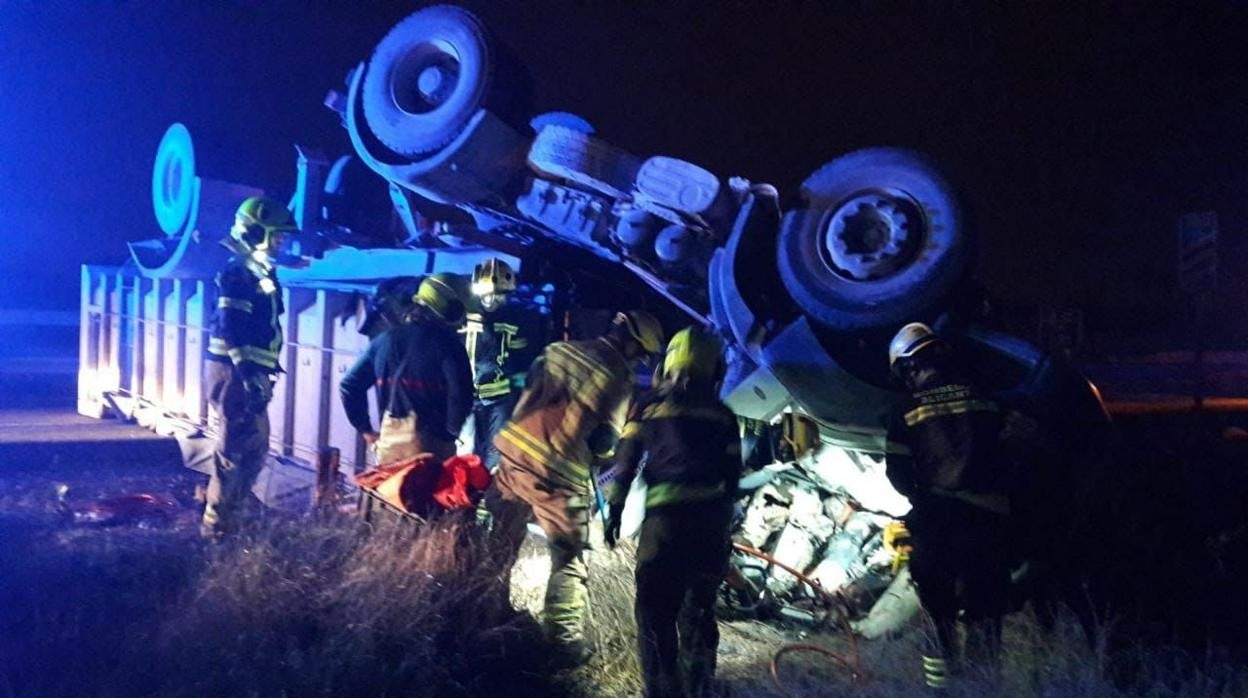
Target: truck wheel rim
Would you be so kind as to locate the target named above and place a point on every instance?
(872, 235)
(425, 78)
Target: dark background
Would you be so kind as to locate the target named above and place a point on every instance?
(1077, 136)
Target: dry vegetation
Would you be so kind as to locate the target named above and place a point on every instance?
(295, 608)
(318, 608)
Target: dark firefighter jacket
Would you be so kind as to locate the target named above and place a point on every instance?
(952, 434)
(575, 392)
(426, 364)
(692, 450)
(493, 343)
(246, 329)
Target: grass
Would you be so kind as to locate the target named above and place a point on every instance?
(294, 608)
(316, 611)
(1037, 662)
(315, 607)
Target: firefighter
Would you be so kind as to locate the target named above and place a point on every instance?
(691, 444)
(950, 466)
(492, 344)
(242, 358)
(423, 379)
(572, 410)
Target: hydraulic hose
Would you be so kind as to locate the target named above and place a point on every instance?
(852, 662)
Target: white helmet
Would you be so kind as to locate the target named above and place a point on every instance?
(492, 280)
(909, 340)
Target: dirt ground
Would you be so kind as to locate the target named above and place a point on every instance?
(308, 607)
(88, 596)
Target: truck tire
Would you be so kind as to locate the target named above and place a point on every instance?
(173, 180)
(426, 78)
(879, 243)
(578, 157)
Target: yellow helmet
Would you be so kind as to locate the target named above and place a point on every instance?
(909, 340)
(439, 294)
(642, 327)
(694, 352)
(258, 219)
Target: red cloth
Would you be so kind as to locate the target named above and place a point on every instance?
(407, 485)
(461, 482)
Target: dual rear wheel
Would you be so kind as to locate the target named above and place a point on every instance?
(879, 242)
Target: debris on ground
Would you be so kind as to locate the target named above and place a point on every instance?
(141, 509)
(809, 516)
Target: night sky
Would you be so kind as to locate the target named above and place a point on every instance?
(1077, 137)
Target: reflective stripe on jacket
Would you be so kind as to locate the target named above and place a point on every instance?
(574, 389)
(692, 451)
(246, 327)
(418, 367)
(492, 347)
(952, 432)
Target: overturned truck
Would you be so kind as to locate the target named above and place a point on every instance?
(804, 299)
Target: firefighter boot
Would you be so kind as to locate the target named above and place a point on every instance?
(940, 662)
(570, 655)
(567, 598)
(936, 674)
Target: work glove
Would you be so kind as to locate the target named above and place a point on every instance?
(611, 531)
(258, 387)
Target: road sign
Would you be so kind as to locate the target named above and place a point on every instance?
(1198, 252)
